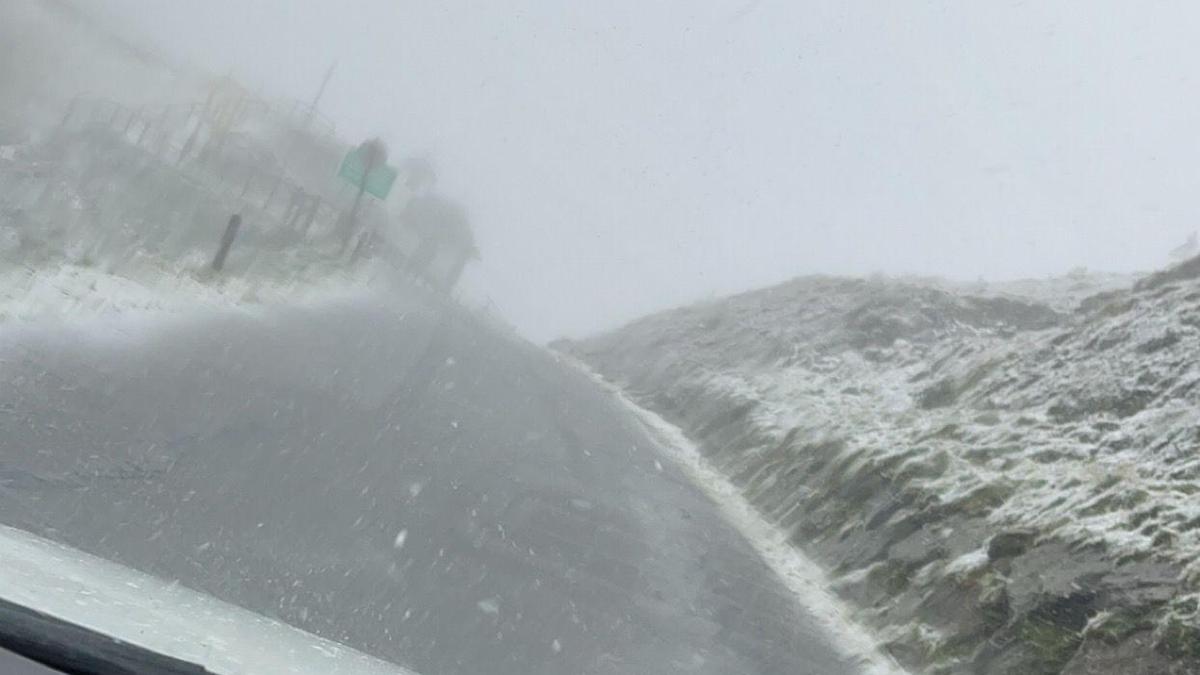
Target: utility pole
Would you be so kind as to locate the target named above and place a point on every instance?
(312, 108)
(297, 133)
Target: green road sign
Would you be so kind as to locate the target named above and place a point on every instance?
(378, 181)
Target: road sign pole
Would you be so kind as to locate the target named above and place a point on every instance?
(352, 217)
(370, 160)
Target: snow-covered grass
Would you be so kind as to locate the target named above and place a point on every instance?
(1006, 405)
(69, 292)
(1105, 470)
(804, 578)
(76, 256)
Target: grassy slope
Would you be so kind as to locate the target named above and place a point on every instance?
(1000, 485)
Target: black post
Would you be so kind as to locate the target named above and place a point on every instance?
(235, 222)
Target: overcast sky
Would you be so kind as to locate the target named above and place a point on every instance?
(621, 156)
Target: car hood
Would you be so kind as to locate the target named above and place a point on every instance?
(164, 617)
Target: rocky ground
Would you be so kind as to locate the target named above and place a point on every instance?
(1003, 478)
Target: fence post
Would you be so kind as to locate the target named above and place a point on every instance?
(145, 120)
(311, 215)
(162, 134)
(191, 141)
(250, 176)
(363, 245)
(271, 195)
(231, 230)
(67, 116)
(133, 115)
(292, 216)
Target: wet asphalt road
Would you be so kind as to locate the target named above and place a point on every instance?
(394, 478)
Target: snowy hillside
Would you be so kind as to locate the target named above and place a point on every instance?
(1002, 483)
(115, 198)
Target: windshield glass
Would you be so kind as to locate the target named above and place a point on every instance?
(704, 336)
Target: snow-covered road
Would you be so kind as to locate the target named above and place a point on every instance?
(393, 476)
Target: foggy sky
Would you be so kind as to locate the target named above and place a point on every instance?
(623, 156)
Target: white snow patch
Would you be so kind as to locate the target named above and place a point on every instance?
(968, 562)
(75, 293)
(804, 578)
